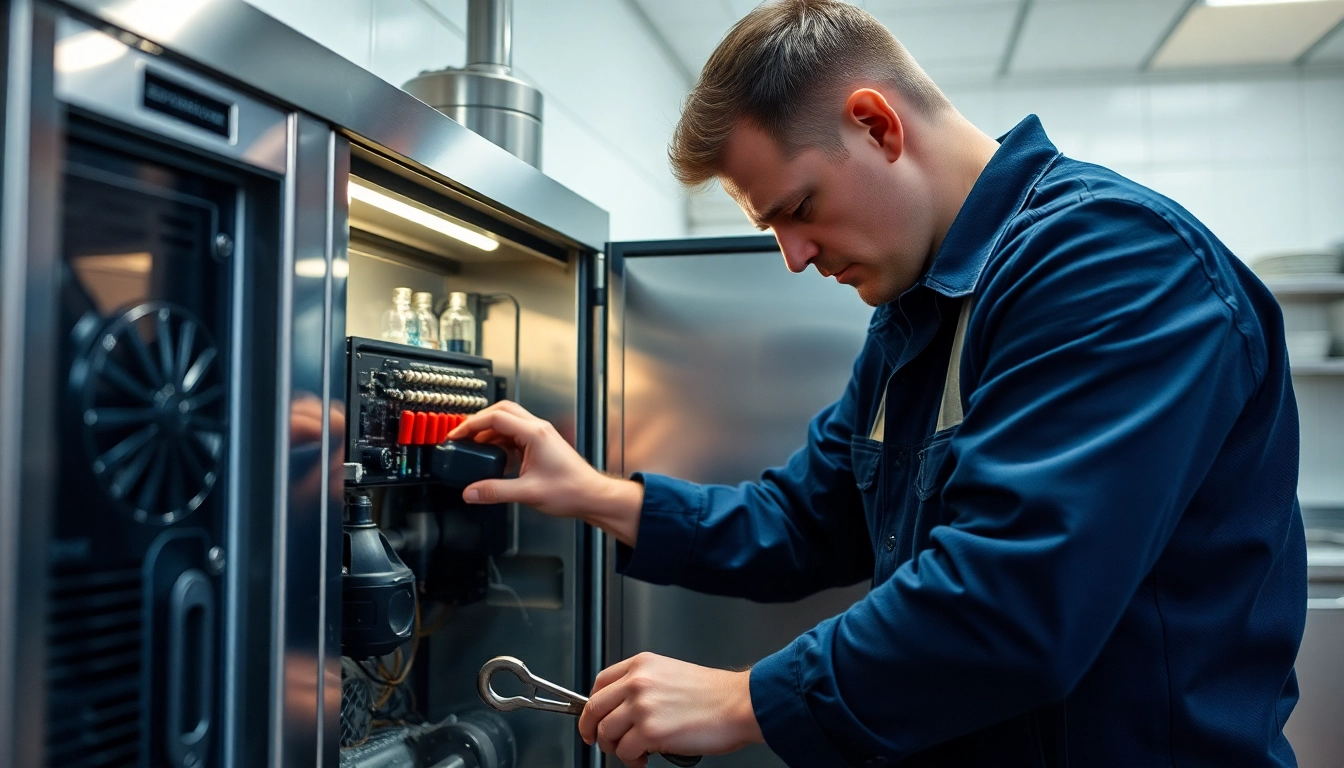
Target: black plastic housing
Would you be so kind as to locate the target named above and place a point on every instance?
(459, 463)
(378, 600)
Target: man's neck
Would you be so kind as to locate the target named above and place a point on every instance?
(958, 152)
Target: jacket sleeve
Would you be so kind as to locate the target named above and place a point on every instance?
(1108, 370)
(800, 528)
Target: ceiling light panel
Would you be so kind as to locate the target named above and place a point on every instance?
(1233, 35)
(1096, 36)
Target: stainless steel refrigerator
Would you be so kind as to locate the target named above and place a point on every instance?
(203, 218)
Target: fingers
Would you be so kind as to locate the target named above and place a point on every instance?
(520, 429)
(632, 752)
(599, 705)
(611, 674)
(503, 406)
(499, 492)
(614, 727)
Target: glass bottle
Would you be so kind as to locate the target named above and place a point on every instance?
(399, 323)
(457, 328)
(423, 302)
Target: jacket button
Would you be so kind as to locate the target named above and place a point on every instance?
(874, 762)
(889, 545)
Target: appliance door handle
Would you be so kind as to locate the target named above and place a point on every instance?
(191, 649)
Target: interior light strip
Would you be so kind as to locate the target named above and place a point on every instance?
(1229, 3)
(417, 216)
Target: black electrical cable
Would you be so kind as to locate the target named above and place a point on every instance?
(517, 339)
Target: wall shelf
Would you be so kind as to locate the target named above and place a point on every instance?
(1330, 367)
(1298, 287)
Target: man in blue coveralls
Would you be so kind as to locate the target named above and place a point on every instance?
(1066, 458)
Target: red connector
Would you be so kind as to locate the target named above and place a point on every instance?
(421, 422)
(405, 428)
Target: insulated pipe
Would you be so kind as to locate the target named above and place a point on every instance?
(490, 35)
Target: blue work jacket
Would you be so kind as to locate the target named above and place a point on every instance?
(1102, 565)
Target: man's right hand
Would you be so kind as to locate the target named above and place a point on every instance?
(552, 477)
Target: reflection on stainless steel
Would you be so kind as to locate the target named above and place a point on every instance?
(302, 658)
(109, 84)
(484, 96)
(28, 293)
(338, 233)
(726, 359)
(298, 71)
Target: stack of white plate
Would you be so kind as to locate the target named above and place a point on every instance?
(1300, 265)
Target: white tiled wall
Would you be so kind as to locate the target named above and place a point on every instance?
(611, 95)
(1259, 159)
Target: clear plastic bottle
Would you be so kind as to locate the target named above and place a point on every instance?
(399, 322)
(457, 328)
(423, 303)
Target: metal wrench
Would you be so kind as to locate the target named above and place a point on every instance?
(565, 701)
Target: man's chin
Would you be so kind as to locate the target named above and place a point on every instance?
(872, 295)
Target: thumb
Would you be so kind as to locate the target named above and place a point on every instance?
(495, 491)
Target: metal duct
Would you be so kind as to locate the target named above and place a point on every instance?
(484, 95)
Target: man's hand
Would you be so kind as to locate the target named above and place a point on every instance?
(552, 478)
(651, 703)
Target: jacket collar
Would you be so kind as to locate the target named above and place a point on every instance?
(1024, 155)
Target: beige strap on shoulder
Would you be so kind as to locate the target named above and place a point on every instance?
(950, 412)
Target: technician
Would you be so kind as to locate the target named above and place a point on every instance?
(1066, 458)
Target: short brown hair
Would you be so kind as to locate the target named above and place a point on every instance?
(781, 67)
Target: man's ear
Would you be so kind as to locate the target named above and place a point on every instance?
(869, 110)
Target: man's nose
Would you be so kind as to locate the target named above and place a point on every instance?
(798, 250)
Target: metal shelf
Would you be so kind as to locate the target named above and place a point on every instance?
(1331, 367)
(1318, 286)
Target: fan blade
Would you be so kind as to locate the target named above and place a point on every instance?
(112, 418)
(149, 492)
(184, 344)
(188, 453)
(198, 369)
(176, 495)
(211, 441)
(124, 449)
(164, 339)
(129, 475)
(196, 402)
(132, 335)
(127, 383)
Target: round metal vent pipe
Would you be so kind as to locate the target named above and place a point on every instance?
(484, 95)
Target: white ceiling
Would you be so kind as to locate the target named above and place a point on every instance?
(959, 41)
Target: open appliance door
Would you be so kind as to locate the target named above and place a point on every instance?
(718, 357)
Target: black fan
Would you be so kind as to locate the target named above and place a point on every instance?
(150, 397)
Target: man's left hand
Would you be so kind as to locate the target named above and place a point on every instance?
(650, 703)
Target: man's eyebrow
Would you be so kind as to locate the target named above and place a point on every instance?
(763, 222)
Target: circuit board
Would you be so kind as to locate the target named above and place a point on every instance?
(404, 400)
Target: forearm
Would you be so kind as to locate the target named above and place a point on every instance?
(615, 508)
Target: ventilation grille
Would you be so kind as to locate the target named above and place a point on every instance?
(93, 669)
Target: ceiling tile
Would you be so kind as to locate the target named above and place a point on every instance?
(1111, 34)
(961, 71)
(1330, 49)
(942, 33)
(1248, 34)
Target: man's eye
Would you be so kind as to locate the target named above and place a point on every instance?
(803, 210)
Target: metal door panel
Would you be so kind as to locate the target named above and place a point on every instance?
(719, 359)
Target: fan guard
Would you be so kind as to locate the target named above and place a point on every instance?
(150, 400)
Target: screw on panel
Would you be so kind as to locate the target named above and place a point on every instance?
(223, 246)
(215, 559)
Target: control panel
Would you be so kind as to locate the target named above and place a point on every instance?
(404, 401)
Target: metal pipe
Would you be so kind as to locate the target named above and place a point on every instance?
(490, 34)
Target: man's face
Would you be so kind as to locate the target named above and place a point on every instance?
(865, 219)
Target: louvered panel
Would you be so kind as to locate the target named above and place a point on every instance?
(94, 636)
